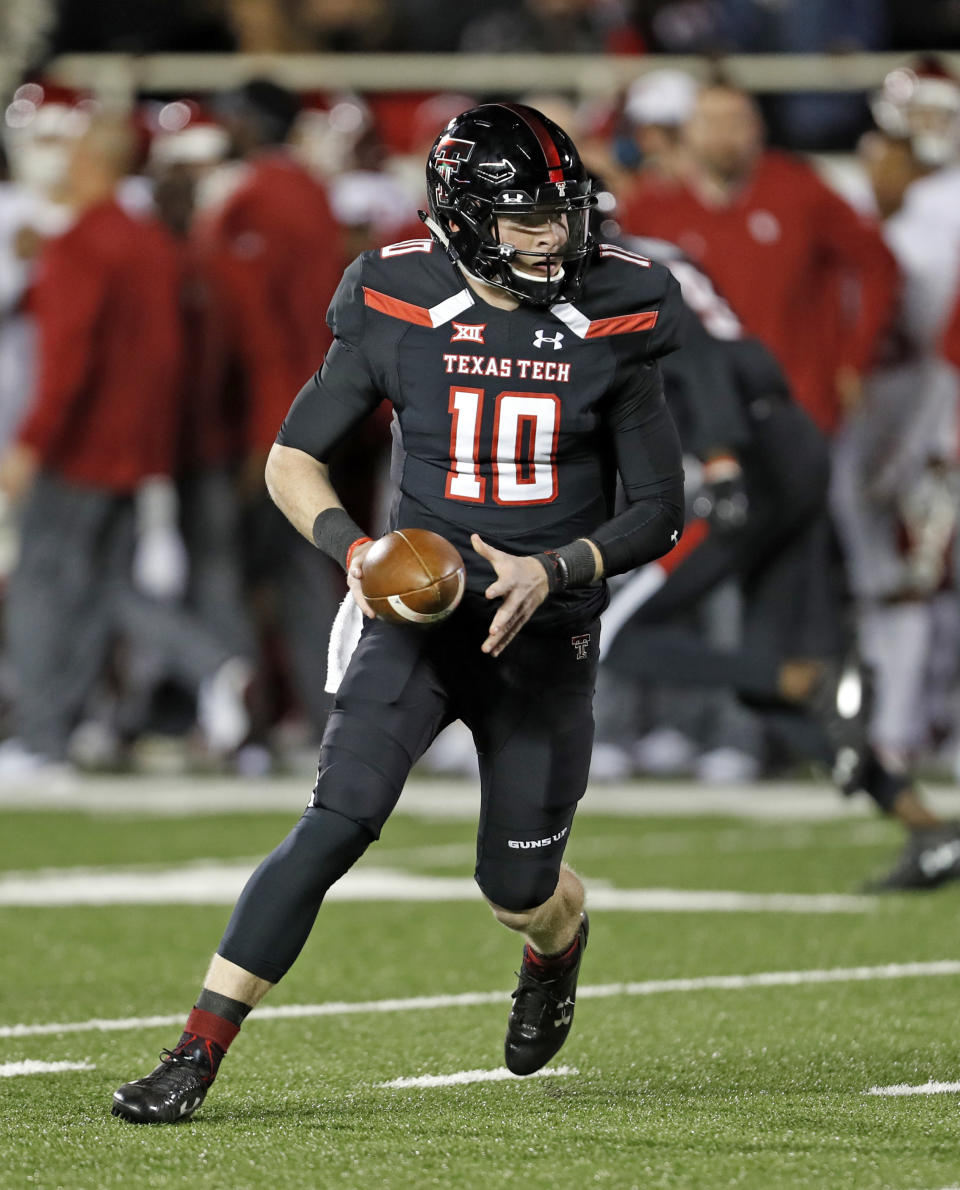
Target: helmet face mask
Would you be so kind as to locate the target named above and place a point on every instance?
(504, 172)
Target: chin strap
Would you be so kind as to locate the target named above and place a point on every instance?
(435, 229)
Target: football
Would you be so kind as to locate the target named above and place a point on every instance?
(413, 576)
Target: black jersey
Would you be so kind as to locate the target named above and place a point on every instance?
(509, 423)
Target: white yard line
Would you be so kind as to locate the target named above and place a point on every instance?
(653, 987)
(930, 1088)
(215, 883)
(693, 839)
(463, 1077)
(12, 1069)
(444, 799)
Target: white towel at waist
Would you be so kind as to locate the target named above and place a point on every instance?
(344, 635)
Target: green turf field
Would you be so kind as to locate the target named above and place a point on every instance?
(690, 1086)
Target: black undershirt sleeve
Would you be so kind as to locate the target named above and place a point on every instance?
(331, 403)
(647, 450)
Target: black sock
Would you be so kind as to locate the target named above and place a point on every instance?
(234, 1011)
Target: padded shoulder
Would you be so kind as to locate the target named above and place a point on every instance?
(632, 297)
(412, 281)
(346, 313)
(620, 281)
(417, 271)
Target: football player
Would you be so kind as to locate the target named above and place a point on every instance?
(896, 481)
(757, 516)
(521, 361)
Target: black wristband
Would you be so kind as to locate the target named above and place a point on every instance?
(334, 532)
(551, 565)
(572, 565)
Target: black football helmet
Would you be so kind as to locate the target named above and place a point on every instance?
(509, 160)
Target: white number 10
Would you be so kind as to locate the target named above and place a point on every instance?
(525, 430)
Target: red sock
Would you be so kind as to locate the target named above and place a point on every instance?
(210, 1033)
(552, 964)
(210, 1027)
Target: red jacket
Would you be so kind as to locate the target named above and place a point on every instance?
(214, 403)
(950, 345)
(106, 404)
(802, 269)
(286, 259)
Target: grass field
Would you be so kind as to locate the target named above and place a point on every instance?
(674, 1078)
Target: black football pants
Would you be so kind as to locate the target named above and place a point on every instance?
(531, 714)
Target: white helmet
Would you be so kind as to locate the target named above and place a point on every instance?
(921, 105)
(39, 123)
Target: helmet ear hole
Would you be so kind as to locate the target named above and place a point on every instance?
(477, 210)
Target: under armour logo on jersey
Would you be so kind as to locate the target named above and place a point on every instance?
(468, 331)
(580, 645)
(675, 537)
(539, 338)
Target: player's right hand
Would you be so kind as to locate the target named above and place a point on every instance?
(355, 574)
(521, 584)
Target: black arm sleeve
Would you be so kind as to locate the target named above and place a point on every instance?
(331, 403)
(647, 451)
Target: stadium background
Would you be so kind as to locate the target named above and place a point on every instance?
(742, 997)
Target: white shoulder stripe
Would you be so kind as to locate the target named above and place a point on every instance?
(624, 254)
(450, 307)
(575, 319)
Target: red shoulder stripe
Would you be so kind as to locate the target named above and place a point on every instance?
(396, 308)
(622, 324)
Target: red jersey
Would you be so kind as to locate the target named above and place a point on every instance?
(286, 260)
(213, 410)
(105, 409)
(802, 269)
(950, 344)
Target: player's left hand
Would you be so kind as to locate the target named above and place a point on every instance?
(355, 577)
(522, 585)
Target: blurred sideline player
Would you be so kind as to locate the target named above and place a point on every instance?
(521, 361)
(275, 240)
(39, 125)
(100, 552)
(760, 516)
(657, 106)
(784, 249)
(895, 484)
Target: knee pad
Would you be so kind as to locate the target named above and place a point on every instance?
(324, 842)
(355, 789)
(366, 757)
(515, 891)
(519, 870)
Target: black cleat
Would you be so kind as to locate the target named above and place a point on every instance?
(542, 1013)
(930, 858)
(174, 1090)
